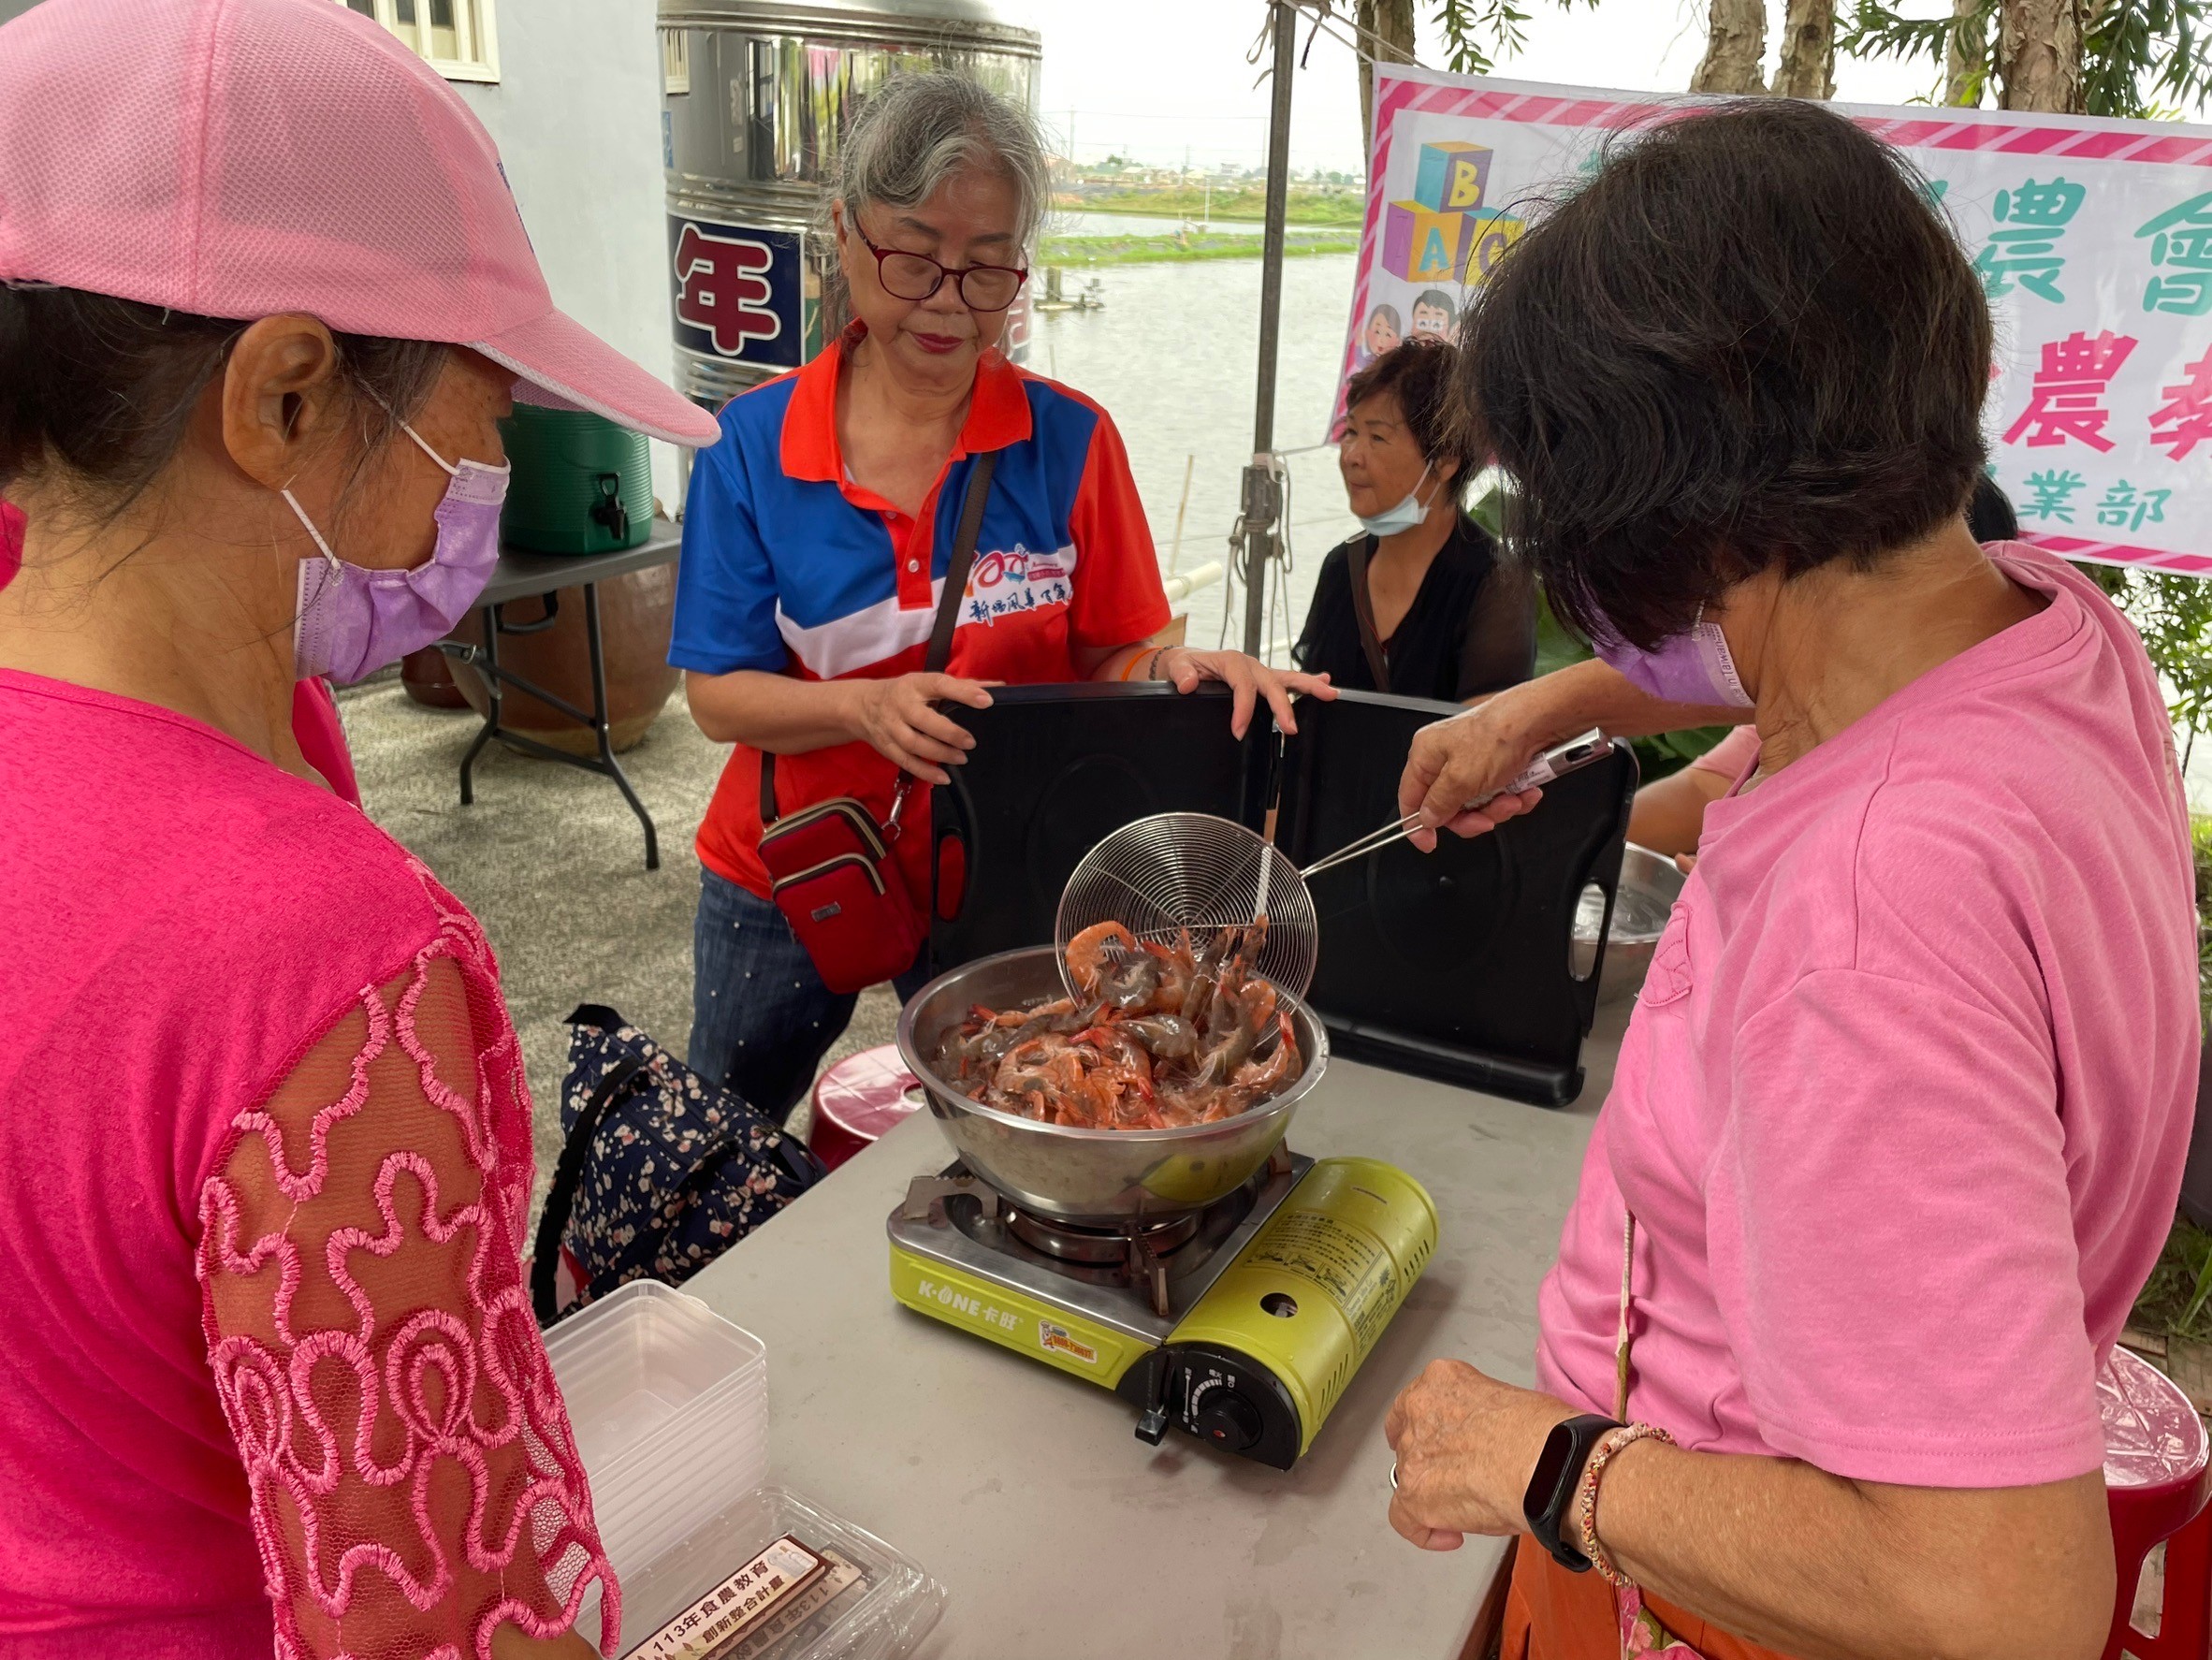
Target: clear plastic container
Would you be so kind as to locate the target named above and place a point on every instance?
(669, 1404)
(888, 1608)
(648, 1504)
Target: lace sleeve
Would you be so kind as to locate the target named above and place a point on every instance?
(413, 1483)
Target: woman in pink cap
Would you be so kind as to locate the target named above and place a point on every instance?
(272, 1379)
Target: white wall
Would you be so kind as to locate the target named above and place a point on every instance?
(577, 116)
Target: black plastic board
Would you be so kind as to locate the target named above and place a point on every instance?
(1453, 965)
(1054, 770)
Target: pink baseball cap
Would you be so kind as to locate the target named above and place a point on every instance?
(239, 158)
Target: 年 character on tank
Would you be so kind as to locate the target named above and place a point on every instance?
(817, 542)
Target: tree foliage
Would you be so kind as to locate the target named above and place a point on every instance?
(1477, 32)
(2139, 58)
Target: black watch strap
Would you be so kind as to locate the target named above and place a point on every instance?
(1551, 1489)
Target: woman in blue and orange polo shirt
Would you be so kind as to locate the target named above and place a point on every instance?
(817, 534)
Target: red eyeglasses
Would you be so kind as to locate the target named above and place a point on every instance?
(916, 276)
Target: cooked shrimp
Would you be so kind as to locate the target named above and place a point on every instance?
(1160, 1037)
(1263, 1078)
(1250, 1008)
(1168, 1036)
(1088, 951)
(1177, 969)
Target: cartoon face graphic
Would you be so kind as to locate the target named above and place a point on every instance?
(1384, 330)
(1433, 315)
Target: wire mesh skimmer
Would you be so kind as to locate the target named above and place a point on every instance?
(1175, 873)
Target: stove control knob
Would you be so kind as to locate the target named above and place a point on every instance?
(1227, 1420)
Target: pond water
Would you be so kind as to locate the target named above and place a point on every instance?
(1173, 357)
(1149, 225)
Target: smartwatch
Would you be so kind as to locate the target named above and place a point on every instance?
(1551, 1489)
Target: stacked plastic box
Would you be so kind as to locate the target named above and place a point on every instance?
(669, 1402)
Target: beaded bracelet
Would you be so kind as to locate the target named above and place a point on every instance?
(1608, 1449)
(1151, 664)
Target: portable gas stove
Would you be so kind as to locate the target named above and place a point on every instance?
(1241, 1323)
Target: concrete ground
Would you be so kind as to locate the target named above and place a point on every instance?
(552, 862)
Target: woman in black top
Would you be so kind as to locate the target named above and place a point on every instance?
(1421, 604)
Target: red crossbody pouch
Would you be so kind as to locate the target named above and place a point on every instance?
(831, 867)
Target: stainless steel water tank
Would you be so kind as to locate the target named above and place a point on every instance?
(759, 92)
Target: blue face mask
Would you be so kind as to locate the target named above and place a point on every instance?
(1404, 516)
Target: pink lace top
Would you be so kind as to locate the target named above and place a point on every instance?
(268, 1356)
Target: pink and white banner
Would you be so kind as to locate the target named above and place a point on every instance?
(2093, 240)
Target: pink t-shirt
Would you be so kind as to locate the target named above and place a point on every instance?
(1902, 1108)
(184, 921)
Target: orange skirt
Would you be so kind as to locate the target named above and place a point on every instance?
(1551, 1614)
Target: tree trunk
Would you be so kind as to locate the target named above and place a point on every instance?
(1808, 66)
(2039, 55)
(1966, 60)
(1393, 21)
(1735, 45)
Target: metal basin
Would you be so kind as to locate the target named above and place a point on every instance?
(1650, 885)
(1095, 1178)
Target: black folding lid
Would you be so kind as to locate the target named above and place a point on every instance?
(1055, 769)
(1457, 964)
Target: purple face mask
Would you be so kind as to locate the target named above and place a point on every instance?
(1691, 668)
(353, 621)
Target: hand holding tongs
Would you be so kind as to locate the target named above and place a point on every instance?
(1555, 762)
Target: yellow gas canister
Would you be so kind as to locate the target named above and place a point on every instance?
(1262, 1358)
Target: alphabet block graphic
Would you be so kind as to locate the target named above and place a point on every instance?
(1454, 176)
(1490, 233)
(1421, 245)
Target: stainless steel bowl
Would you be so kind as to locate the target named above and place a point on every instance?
(1097, 1178)
(1650, 885)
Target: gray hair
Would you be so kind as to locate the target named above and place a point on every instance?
(918, 130)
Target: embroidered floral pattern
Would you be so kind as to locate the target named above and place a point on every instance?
(413, 1478)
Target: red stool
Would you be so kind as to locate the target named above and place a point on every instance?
(2155, 1485)
(858, 1100)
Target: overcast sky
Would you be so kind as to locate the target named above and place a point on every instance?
(1159, 78)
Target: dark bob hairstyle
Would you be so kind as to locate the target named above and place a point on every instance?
(1419, 373)
(1750, 341)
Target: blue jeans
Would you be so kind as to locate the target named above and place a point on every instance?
(760, 1018)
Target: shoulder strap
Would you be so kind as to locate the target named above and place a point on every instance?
(1363, 612)
(553, 1223)
(971, 526)
(948, 605)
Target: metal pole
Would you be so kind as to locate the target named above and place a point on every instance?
(1263, 491)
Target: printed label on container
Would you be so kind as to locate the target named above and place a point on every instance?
(1348, 1263)
(738, 1607)
(840, 1578)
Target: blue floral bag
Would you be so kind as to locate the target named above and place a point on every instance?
(660, 1173)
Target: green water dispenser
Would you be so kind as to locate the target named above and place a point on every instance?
(581, 483)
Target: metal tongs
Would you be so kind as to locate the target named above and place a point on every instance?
(1555, 762)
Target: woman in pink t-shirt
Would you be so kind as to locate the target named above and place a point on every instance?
(271, 1380)
(1899, 1121)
